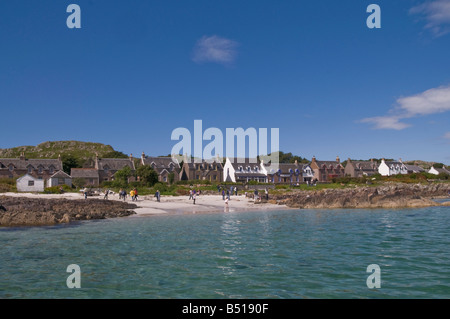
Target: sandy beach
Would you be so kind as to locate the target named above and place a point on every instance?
(148, 205)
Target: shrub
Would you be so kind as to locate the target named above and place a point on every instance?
(57, 189)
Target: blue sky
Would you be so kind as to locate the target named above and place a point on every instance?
(137, 70)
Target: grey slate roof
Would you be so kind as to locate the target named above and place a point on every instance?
(328, 164)
(115, 164)
(23, 164)
(414, 168)
(285, 168)
(442, 171)
(84, 173)
(60, 174)
(161, 163)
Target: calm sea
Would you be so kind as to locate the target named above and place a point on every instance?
(276, 254)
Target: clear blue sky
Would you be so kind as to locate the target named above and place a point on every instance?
(136, 70)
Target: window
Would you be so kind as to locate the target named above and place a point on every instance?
(197, 176)
(214, 177)
(40, 170)
(60, 181)
(11, 167)
(30, 170)
(165, 178)
(30, 183)
(51, 169)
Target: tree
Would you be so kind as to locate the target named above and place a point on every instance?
(147, 175)
(115, 154)
(121, 177)
(79, 182)
(171, 178)
(69, 162)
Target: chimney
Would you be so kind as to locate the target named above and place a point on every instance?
(22, 156)
(296, 162)
(338, 159)
(131, 157)
(96, 161)
(349, 160)
(143, 154)
(400, 160)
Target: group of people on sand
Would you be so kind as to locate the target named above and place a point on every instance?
(133, 194)
(226, 193)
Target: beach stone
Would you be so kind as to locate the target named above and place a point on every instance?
(23, 211)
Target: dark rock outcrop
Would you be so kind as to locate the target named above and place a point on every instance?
(388, 196)
(22, 211)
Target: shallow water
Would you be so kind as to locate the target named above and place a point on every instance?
(276, 254)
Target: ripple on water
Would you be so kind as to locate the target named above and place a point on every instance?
(278, 254)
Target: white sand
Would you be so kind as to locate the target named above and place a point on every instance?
(147, 205)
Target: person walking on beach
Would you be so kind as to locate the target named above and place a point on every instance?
(135, 194)
(235, 190)
(267, 194)
(190, 194)
(106, 194)
(85, 193)
(132, 195)
(194, 197)
(157, 195)
(228, 194)
(223, 194)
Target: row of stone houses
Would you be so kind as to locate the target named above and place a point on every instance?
(103, 170)
(233, 170)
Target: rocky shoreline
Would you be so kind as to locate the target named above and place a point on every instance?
(387, 196)
(23, 211)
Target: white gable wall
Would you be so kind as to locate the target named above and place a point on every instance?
(228, 170)
(24, 184)
(383, 169)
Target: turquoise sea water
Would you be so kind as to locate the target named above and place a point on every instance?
(276, 254)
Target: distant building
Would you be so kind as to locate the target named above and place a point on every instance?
(361, 168)
(107, 167)
(89, 175)
(414, 168)
(38, 168)
(164, 166)
(58, 179)
(390, 168)
(288, 173)
(243, 170)
(28, 183)
(206, 170)
(324, 171)
(437, 171)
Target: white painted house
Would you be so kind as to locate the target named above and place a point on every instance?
(28, 183)
(59, 178)
(243, 170)
(437, 171)
(392, 168)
